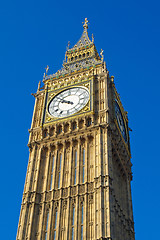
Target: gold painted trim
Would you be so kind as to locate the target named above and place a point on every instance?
(69, 118)
(88, 84)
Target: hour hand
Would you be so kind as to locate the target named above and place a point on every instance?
(65, 101)
(69, 102)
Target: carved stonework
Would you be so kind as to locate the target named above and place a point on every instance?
(90, 187)
(91, 198)
(56, 204)
(74, 190)
(81, 200)
(82, 189)
(73, 201)
(79, 166)
(56, 194)
(48, 196)
(64, 204)
(65, 192)
(40, 210)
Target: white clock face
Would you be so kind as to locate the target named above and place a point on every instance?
(68, 102)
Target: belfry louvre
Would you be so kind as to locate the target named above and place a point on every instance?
(79, 171)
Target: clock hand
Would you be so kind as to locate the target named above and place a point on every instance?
(65, 101)
(69, 102)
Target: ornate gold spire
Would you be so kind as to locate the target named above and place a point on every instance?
(84, 40)
(82, 55)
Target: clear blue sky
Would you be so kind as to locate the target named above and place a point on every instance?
(35, 33)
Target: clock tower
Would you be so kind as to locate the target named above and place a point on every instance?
(78, 181)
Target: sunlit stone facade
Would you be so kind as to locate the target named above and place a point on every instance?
(79, 171)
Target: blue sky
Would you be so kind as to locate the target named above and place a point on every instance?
(34, 34)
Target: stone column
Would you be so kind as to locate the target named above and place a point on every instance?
(78, 161)
(76, 219)
(70, 165)
(21, 222)
(30, 220)
(62, 165)
(30, 171)
(49, 230)
(58, 228)
(47, 173)
(41, 221)
(55, 167)
(66, 234)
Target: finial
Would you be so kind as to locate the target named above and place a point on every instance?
(102, 57)
(112, 78)
(39, 85)
(85, 25)
(68, 45)
(47, 68)
(92, 38)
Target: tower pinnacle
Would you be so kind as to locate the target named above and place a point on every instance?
(85, 25)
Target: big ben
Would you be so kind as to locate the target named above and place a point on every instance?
(78, 181)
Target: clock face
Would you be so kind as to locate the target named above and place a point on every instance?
(68, 102)
(120, 121)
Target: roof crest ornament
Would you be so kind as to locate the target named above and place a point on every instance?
(85, 25)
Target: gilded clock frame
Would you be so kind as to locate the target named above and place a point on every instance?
(87, 109)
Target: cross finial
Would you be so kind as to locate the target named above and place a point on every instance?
(85, 25)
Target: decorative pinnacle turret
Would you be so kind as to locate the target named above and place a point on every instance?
(85, 25)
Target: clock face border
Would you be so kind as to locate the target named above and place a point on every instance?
(125, 137)
(87, 109)
(68, 101)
